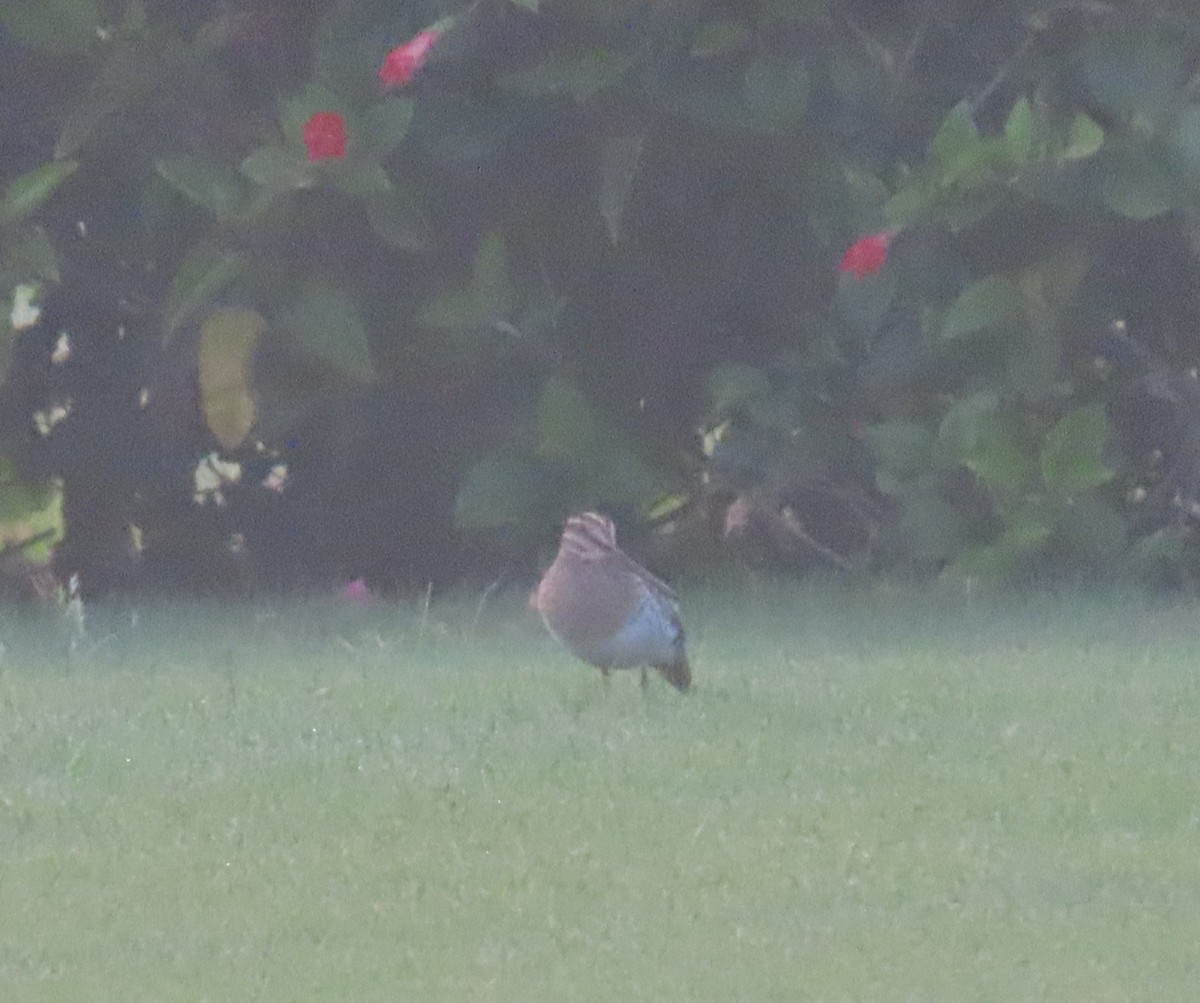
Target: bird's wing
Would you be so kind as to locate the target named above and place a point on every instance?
(652, 582)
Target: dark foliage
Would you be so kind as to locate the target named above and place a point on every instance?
(570, 255)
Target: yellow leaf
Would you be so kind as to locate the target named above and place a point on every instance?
(226, 357)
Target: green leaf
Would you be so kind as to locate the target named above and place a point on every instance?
(1018, 132)
(399, 218)
(279, 168)
(19, 497)
(31, 515)
(486, 298)
(912, 200)
(961, 160)
(225, 373)
(205, 270)
(966, 425)
(1084, 139)
(614, 474)
(1002, 464)
(567, 425)
(501, 491)
(385, 124)
(929, 528)
(732, 384)
(989, 301)
(865, 192)
(127, 78)
(209, 184)
(1071, 456)
(1028, 534)
(900, 447)
(957, 137)
(327, 328)
(862, 304)
(28, 191)
(776, 93)
(602, 466)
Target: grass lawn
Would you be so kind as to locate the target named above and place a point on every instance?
(869, 796)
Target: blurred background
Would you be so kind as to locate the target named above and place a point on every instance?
(302, 294)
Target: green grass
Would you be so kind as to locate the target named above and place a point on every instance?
(868, 796)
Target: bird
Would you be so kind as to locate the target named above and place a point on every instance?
(609, 610)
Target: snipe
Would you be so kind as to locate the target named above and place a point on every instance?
(607, 608)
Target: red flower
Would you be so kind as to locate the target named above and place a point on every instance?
(325, 135)
(403, 62)
(867, 254)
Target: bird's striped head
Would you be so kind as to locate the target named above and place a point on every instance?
(588, 536)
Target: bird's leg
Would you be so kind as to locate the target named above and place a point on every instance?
(605, 671)
(645, 680)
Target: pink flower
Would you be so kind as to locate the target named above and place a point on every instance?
(325, 135)
(867, 254)
(404, 61)
(356, 591)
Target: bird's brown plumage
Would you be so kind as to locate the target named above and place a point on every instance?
(607, 608)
